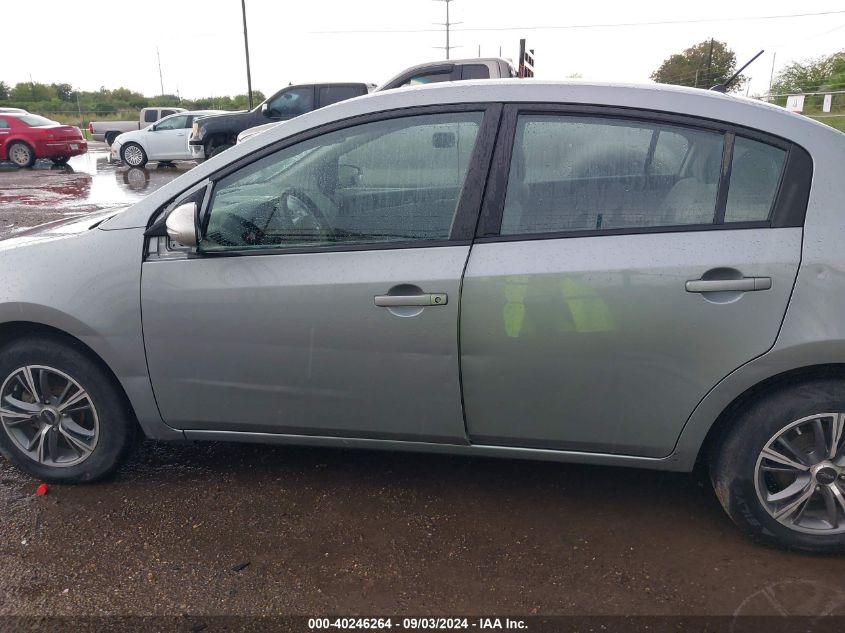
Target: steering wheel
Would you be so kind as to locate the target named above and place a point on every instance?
(237, 231)
(302, 212)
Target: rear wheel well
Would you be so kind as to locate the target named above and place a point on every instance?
(726, 419)
(15, 330)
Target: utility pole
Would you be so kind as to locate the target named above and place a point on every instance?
(246, 49)
(79, 109)
(447, 24)
(772, 76)
(709, 64)
(160, 80)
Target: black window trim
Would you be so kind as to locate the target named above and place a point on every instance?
(469, 199)
(788, 210)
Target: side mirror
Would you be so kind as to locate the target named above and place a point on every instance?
(265, 109)
(180, 224)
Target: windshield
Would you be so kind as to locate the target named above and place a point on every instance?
(33, 120)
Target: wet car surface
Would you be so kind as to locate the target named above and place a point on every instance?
(241, 529)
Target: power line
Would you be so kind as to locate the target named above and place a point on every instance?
(583, 26)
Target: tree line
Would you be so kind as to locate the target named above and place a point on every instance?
(711, 62)
(61, 98)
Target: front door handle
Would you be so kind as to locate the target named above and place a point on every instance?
(395, 301)
(745, 284)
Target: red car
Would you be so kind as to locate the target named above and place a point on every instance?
(25, 137)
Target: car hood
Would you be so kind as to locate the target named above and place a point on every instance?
(65, 227)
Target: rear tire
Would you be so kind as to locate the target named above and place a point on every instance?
(110, 136)
(797, 502)
(21, 154)
(80, 428)
(133, 155)
(60, 160)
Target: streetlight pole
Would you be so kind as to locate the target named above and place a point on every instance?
(246, 49)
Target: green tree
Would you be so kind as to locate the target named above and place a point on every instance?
(703, 65)
(812, 75)
(63, 91)
(4, 90)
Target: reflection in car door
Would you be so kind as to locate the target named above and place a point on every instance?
(281, 325)
(579, 330)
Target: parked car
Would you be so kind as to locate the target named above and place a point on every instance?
(27, 137)
(630, 276)
(164, 141)
(212, 135)
(13, 111)
(431, 72)
(109, 130)
(452, 70)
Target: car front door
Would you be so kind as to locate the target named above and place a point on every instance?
(168, 139)
(623, 267)
(323, 297)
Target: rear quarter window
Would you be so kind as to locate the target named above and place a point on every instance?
(756, 170)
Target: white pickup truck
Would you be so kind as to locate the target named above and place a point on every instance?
(109, 130)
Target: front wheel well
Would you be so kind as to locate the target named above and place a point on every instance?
(726, 419)
(15, 330)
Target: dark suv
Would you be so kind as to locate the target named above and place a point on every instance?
(211, 135)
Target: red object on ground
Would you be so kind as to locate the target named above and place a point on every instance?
(41, 490)
(46, 138)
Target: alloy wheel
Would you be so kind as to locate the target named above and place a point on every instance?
(20, 155)
(48, 416)
(133, 155)
(800, 475)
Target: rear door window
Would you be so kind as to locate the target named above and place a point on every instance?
(328, 95)
(574, 173)
(475, 71)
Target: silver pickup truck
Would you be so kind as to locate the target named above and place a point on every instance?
(109, 130)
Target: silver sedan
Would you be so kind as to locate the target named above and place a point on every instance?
(621, 275)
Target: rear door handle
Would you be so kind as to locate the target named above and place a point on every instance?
(746, 284)
(394, 301)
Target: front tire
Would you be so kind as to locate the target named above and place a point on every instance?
(21, 154)
(62, 418)
(133, 155)
(780, 470)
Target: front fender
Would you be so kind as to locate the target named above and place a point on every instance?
(86, 285)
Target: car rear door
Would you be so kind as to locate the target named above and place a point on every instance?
(324, 298)
(625, 263)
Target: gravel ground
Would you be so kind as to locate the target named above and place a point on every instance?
(218, 529)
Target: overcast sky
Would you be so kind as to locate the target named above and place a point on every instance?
(113, 42)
